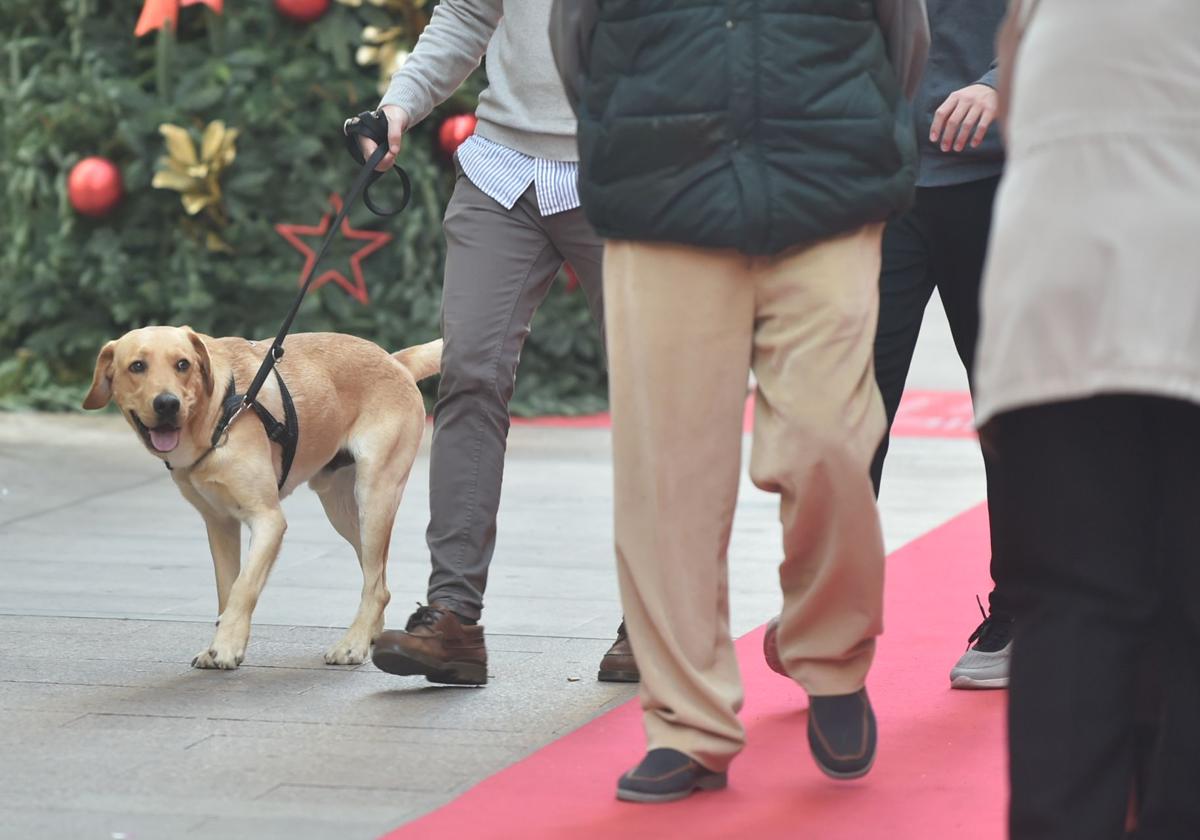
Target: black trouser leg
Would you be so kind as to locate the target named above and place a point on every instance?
(1171, 805)
(1081, 505)
(1168, 783)
(905, 287)
(960, 222)
(941, 243)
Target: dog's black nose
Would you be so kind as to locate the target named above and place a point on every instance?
(166, 405)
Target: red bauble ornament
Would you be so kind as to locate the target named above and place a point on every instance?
(302, 11)
(454, 130)
(94, 186)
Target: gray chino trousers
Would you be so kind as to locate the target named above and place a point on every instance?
(500, 265)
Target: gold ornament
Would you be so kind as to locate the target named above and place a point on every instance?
(384, 47)
(197, 178)
(388, 47)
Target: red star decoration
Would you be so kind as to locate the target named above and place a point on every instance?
(376, 240)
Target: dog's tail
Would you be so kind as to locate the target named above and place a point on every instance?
(423, 360)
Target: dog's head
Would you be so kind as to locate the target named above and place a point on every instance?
(160, 377)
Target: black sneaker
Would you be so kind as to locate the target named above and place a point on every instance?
(842, 734)
(666, 775)
(989, 651)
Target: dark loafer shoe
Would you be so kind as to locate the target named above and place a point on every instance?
(666, 775)
(618, 665)
(842, 734)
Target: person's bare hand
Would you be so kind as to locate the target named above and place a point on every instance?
(397, 120)
(964, 117)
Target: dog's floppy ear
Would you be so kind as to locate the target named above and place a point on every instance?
(205, 361)
(101, 391)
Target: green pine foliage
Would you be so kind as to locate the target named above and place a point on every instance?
(75, 82)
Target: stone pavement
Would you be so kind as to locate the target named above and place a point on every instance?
(106, 593)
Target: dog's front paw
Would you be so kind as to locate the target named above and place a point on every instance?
(215, 657)
(348, 652)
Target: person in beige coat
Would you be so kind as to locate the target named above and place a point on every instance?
(1088, 387)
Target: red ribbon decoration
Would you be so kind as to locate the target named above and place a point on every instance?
(158, 13)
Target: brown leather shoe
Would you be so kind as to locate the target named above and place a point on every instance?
(771, 647)
(618, 665)
(435, 643)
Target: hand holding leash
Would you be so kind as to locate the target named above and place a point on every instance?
(373, 125)
(397, 124)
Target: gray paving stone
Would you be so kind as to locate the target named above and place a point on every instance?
(312, 828)
(95, 672)
(22, 823)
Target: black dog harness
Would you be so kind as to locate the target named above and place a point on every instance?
(372, 125)
(286, 434)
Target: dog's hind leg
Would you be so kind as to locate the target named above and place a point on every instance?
(381, 474)
(336, 492)
(337, 496)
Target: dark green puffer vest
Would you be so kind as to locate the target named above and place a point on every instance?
(757, 125)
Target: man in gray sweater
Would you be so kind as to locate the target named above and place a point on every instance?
(512, 222)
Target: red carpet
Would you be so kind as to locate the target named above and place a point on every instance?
(944, 414)
(940, 770)
(941, 414)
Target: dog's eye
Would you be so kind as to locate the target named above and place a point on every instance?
(182, 365)
(137, 367)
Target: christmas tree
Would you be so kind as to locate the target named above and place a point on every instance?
(221, 122)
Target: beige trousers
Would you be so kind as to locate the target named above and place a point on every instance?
(685, 327)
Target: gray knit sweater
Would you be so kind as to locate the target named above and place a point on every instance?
(524, 106)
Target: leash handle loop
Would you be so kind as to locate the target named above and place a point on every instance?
(374, 126)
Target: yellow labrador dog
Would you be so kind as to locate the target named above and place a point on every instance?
(359, 416)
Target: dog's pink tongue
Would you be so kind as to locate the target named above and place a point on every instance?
(164, 440)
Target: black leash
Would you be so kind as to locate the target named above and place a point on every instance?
(369, 124)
